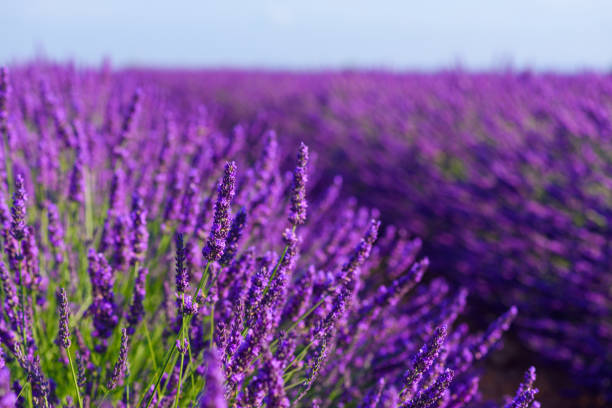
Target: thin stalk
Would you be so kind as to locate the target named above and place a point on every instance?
(74, 378)
(7, 164)
(128, 286)
(203, 281)
(159, 377)
(150, 343)
(178, 392)
(305, 315)
(103, 398)
(171, 352)
(27, 385)
(88, 207)
(212, 324)
(127, 388)
(280, 260)
(182, 340)
(23, 307)
(300, 356)
(295, 384)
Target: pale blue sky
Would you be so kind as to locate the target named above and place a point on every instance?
(477, 34)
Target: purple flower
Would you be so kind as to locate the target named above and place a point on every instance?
(213, 395)
(298, 192)
(140, 234)
(4, 94)
(11, 301)
(494, 332)
(123, 247)
(103, 308)
(218, 233)
(76, 190)
(39, 383)
(121, 365)
(8, 399)
(56, 232)
(181, 277)
(136, 312)
(116, 197)
(231, 243)
(18, 210)
(273, 370)
(422, 361)
(63, 335)
(431, 397)
(373, 396)
(525, 395)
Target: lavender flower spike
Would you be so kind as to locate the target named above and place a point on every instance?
(213, 391)
(231, 243)
(525, 394)
(121, 364)
(4, 91)
(137, 312)
(422, 361)
(432, 396)
(56, 232)
(7, 396)
(18, 210)
(140, 234)
(373, 396)
(298, 193)
(63, 336)
(221, 224)
(494, 333)
(40, 384)
(182, 280)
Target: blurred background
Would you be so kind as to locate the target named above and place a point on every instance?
(559, 35)
(521, 115)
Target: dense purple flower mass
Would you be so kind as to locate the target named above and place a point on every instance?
(181, 281)
(505, 177)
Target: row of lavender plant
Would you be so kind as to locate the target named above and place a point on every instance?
(149, 259)
(505, 176)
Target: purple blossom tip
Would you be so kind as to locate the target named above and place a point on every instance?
(63, 336)
(120, 366)
(299, 205)
(221, 223)
(18, 210)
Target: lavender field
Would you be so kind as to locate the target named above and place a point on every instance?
(336, 239)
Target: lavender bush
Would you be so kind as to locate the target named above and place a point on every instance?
(151, 259)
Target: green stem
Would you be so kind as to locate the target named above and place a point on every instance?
(171, 352)
(74, 378)
(203, 281)
(27, 385)
(159, 377)
(150, 343)
(295, 384)
(7, 164)
(212, 324)
(178, 392)
(128, 286)
(23, 307)
(182, 340)
(280, 260)
(88, 208)
(305, 315)
(300, 356)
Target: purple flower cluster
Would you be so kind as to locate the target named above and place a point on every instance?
(200, 291)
